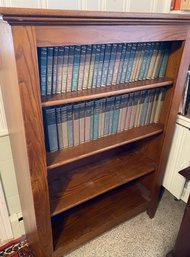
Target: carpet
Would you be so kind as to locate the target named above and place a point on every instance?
(16, 249)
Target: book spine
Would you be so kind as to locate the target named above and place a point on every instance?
(76, 65)
(97, 106)
(54, 79)
(82, 122)
(111, 64)
(88, 107)
(51, 137)
(117, 62)
(129, 108)
(153, 59)
(157, 61)
(139, 108)
(91, 70)
(135, 62)
(162, 52)
(76, 122)
(165, 60)
(119, 74)
(101, 117)
(64, 126)
(96, 64)
(156, 95)
(65, 69)
(59, 127)
(139, 61)
(59, 69)
(150, 108)
(112, 101)
(116, 114)
(49, 70)
(130, 62)
(125, 63)
(70, 68)
(144, 61)
(87, 66)
(70, 124)
(100, 66)
(159, 105)
(150, 53)
(106, 64)
(92, 121)
(43, 70)
(107, 115)
(121, 113)
(144, 108)
(81, 68)
(133, 110)
(124, 110)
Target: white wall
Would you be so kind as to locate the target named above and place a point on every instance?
(7, 172)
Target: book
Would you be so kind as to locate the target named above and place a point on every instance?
(54, 79)
(43, 70)
(49, 70)
(87, 66)
(96, 65)
(121, 113)
(112, 101)
(97, 107)
(81, 68)
(129, 108)
(134, 110)
(65, 69)
(150, 106)
(140, 108)
(76, 124)
(159, 105)
(139, 57)
(88, 113)
(70, 124)
(135, 61)
(156, 46)
(106, 64)
(100, 65)
(124, 110)
(59, 69)
(125, 62)
(145, 59)
(50, 129)
(116, 114)
(91, 69)
(144, 107)
(82, 122)
(70, 67)
(164, 60)
(122, 58)
(158, 57)
(107, 115)
(101, 117)
(59, 127)
(92, 121)
(76, 65)
(149, 58)
(64, 126)
(130, 62)
(111, 64)
(117, 62)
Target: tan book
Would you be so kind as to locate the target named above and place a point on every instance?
(159, 105)
(158, 57)
(140, 58)
(136, 61)
(156, 96)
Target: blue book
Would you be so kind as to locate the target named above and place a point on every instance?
(59, 127)
(150, 53)
(116, 114)
(123, 52)
(106, 64)
(70, 124)
(164, 62)
(59, 69)
(100, 65)
(111, 64)
(50, 129)
(96, 65)
(144, 107)
(43, 70)
(54, 80)
(144, 60)
(130, 62)
(111, 114)
(92, 120)
(125, 63)
(49, 70)
(107, 115)
(76, 65)
(97, 108)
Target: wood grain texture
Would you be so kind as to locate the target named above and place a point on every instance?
(20, 16)
(72, 229)
(71, 188)
(87, 149)
(89, 94)
(26, 61)
(81, 35)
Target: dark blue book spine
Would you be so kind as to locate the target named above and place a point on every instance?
(125, 63)
(49, 70)
(43, 70)
(111, 64)
(130, 62)
(92, 121)
(116, 114)
(97, 106)
(70, 124)
(59, 127)
(144, 108)
(111, 114)
(54, 80)
(96, 64)
(119, 74)
(150, 46)
(107, 115)
(76, 65)
(65, 68)
(100, 65)
(164, 60)
(59, 69)
(50, 129)
(106, 64)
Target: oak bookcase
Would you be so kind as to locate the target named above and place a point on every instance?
(70, 196)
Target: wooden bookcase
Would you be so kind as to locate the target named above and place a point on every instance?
(70, 196)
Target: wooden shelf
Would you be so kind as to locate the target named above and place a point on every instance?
(81, 151)
(90, 94)
(72, 188)
(75, 227)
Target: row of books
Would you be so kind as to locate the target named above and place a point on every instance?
(73, 124)
(71, 68)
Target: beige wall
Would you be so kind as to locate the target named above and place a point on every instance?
(7, 172)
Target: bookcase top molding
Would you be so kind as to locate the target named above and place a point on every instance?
(28, 16)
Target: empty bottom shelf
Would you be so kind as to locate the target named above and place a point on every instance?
(82, 223)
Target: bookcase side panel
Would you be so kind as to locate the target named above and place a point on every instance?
(27, 69)
(171, 119)
(78, 35)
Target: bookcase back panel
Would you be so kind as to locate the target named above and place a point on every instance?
(79, 35)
